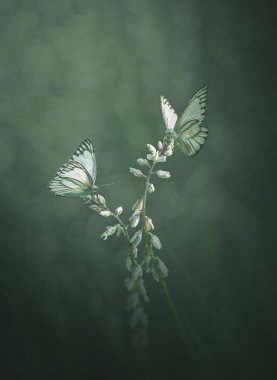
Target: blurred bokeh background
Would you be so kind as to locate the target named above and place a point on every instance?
(72, 69)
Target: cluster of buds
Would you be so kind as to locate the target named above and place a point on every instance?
(156, 155)
(111, 230)
(137, 292)
(97, 203)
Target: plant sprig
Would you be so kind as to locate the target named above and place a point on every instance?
(138, 264)
(77, 178)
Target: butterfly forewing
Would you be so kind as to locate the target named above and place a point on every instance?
(169, 115)
(191, 134)
(196, 107)
(84, 154)
(77, 176)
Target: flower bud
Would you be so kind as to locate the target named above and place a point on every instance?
(160, 145)
(129, 283)
(151, 188)
(119, 230)
(134, 218)
(101, 200)
(132, 301)
(156, 241)
(151, 148)
(136, 172)
(168, 152)
(143, 162)
(134, 252)
(163, 174)
(118, 211)
(96, 208)
(161, 159)
(137, 271)
(138, 204)
(105, 213)
(162, 267)
(110, 230)
(129, 263)
(136, 238)
(149, 224)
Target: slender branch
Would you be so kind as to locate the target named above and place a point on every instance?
(152, 255)
(174, 313)
(143, 213)
(126, 234)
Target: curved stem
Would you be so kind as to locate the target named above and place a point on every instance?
(122, 224)
(152, 255)
(174, 312)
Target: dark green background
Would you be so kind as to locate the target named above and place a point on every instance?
(73, 69)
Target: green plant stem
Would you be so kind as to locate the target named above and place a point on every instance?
(152, 255)
(174, 312)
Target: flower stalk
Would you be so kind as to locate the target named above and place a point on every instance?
(160, 277)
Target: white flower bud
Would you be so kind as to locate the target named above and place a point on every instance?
(168, 152)
(132, 301)
(136, 238)
(149, 224)
(138, 315)
(151, 148)
(119, 230)
(101, 200)
(138, 204)
(134, 218)
(129, 283)
(110, 230)
(118, 211)
(104, 236)
(155, 274)
(146, 263)
(162, 267)
(160, 145)
(156, 241)
(105, 213)
(134, 252)
(96, 208)
(163, 174)
(161, 159)
(143, 291)
(151, 188)
(137, 272)
(129, 263)
(143, 162)
(150, 157)
(136, 172)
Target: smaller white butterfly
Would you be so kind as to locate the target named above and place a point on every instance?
(76, 177)
(189, 134)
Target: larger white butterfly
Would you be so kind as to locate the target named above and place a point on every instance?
(188, 132)
(76, 177)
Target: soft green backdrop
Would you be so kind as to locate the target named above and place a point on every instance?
(72, 69)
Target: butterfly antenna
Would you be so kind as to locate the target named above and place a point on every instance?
(107, 184)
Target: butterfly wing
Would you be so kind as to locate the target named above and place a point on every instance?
(191, 134)
(77, 176)
(169, 115)
(84, 154)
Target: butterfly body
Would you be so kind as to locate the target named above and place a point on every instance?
(189, 133)
(77, 176)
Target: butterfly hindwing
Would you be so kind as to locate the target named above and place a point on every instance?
(169, 115)
(191, 134)
(77, 176)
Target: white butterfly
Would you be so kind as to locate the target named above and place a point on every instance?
(190, 135)
(76, 177)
